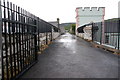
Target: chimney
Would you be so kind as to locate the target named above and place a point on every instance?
(58, 20)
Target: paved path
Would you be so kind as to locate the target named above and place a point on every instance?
(72, 57)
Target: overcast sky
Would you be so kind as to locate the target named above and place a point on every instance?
(50, 10)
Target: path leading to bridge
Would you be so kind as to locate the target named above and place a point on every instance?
(71, 57)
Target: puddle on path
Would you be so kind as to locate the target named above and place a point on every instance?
(67, 38)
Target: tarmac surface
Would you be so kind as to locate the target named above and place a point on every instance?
(71, 57)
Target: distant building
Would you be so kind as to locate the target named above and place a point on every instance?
(88, 15)
(55, 23)
(62, 29)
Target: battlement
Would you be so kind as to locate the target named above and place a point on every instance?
(91, 8)
(91, 11)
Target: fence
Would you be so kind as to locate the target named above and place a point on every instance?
(97, 32)
(110, 37)
(22, 35)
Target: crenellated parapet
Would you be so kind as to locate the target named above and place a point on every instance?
(90, 11)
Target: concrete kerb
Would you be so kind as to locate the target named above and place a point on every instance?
(114, 51)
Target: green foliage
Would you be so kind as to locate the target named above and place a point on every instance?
(70, 28)
(67, 28)
(73, 26)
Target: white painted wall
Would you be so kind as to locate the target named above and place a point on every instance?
(55, 35)
(87, 15)
(88, 32)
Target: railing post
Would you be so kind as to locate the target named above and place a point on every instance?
(101, 34)
(38, 37)
(118, 34)
(92, 32)
(51, 34)
(0, 42)
(36, 47)
(35, 40)
(46, 38)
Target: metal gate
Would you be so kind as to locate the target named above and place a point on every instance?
(20, 39)
(19, 45)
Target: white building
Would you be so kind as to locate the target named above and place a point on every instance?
(87, 15)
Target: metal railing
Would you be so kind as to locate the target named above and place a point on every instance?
(111, 34)
(21, 34)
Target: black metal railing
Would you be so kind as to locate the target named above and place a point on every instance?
(19, 40)
(110, 36)
(97, 32)
(21, 34)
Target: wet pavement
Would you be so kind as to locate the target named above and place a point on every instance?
(72, 57)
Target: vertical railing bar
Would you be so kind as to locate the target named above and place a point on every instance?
(11, 68)
(92, 32)
(116, 42)
(6, 42)
(17, 42)
(118, 34)
(22, 37)
(13, 28)
(101, 33)
(19, 19)
(32, 36)
(46, 35)
(38, 33)
(27, 34)
(33, 52)
(22, 56)
(35, 39)
(31, 40)
(28, 20)
(11, 41)
(25, 38)
(113, 35)
(1, 56)
(28, 38)
(105, 30)
(110, 32)
(28, 28)
(2, 41)
(51, 33)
